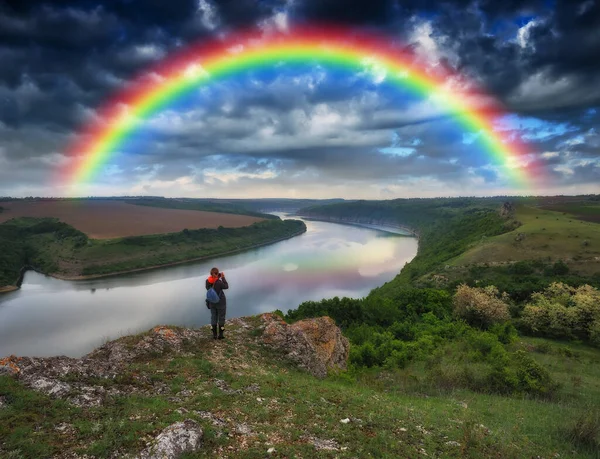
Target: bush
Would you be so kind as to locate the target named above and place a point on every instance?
(521, 268)
(480, 307)
(560, 268)
(480, 362)
(595, 333)
(505, 332)
(561, 311)
(532, 377)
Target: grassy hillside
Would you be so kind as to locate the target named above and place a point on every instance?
(21, 242)
(549, 246)
(468, 240)
(248, 401)
(539, 395)
(56, 248)
(543, 234)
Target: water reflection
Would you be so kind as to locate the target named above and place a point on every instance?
(50, 317)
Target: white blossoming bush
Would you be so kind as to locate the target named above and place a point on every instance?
(480, 307)
(561, 311)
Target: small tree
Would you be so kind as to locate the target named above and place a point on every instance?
(481, 307)
(561, 311)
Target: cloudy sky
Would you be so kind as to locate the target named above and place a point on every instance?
(308, 131)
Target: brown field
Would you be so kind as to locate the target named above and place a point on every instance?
(111, 219)
(589, 212)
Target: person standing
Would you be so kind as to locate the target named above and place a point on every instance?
(217, 310)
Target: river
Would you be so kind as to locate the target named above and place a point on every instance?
(48, 316)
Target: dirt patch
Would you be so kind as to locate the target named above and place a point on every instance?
(111, 219)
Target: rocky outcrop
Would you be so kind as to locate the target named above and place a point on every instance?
(48, 374)
(158, 341)
(316, 345)
(177, 439)
(507, 210)
(178, 371)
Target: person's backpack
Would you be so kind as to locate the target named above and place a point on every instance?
(211, 294)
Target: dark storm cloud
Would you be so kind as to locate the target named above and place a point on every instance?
(557, 56)
(61, 59)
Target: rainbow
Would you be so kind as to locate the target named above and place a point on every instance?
(330, 46)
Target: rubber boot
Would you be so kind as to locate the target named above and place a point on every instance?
(221, 329)
(214, 330)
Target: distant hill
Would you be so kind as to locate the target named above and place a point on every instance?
(478, 240)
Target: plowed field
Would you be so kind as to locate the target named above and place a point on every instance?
(111, 219)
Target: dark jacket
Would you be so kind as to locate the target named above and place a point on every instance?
(220, 285)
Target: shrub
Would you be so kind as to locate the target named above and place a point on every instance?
(595, 333)
(521, 267)
(482, 343)
(481, 307)
(505, 332)
(561, 311)
(532, 377)
(560, 268)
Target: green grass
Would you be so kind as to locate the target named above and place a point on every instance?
(547, 234)
(388, 416)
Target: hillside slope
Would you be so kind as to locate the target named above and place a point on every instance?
(179, 390)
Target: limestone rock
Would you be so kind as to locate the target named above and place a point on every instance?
(175, 440)
(507, 210)
(315, 345)
(50, 386)
(47, 374)
(158, 341)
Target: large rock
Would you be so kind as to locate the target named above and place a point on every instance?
(315, 345)
(47, 374)
(159, 340)
(507, 210)
(175, 440)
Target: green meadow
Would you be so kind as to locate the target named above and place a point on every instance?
(388, 413)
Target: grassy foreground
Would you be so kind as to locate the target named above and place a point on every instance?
(247, 401)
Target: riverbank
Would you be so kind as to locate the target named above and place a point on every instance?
(47, 248)
(367, 223)
(175, 263)
(517, 247)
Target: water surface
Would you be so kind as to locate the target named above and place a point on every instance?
(52, 317)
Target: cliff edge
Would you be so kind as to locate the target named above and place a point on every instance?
(179, 369)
